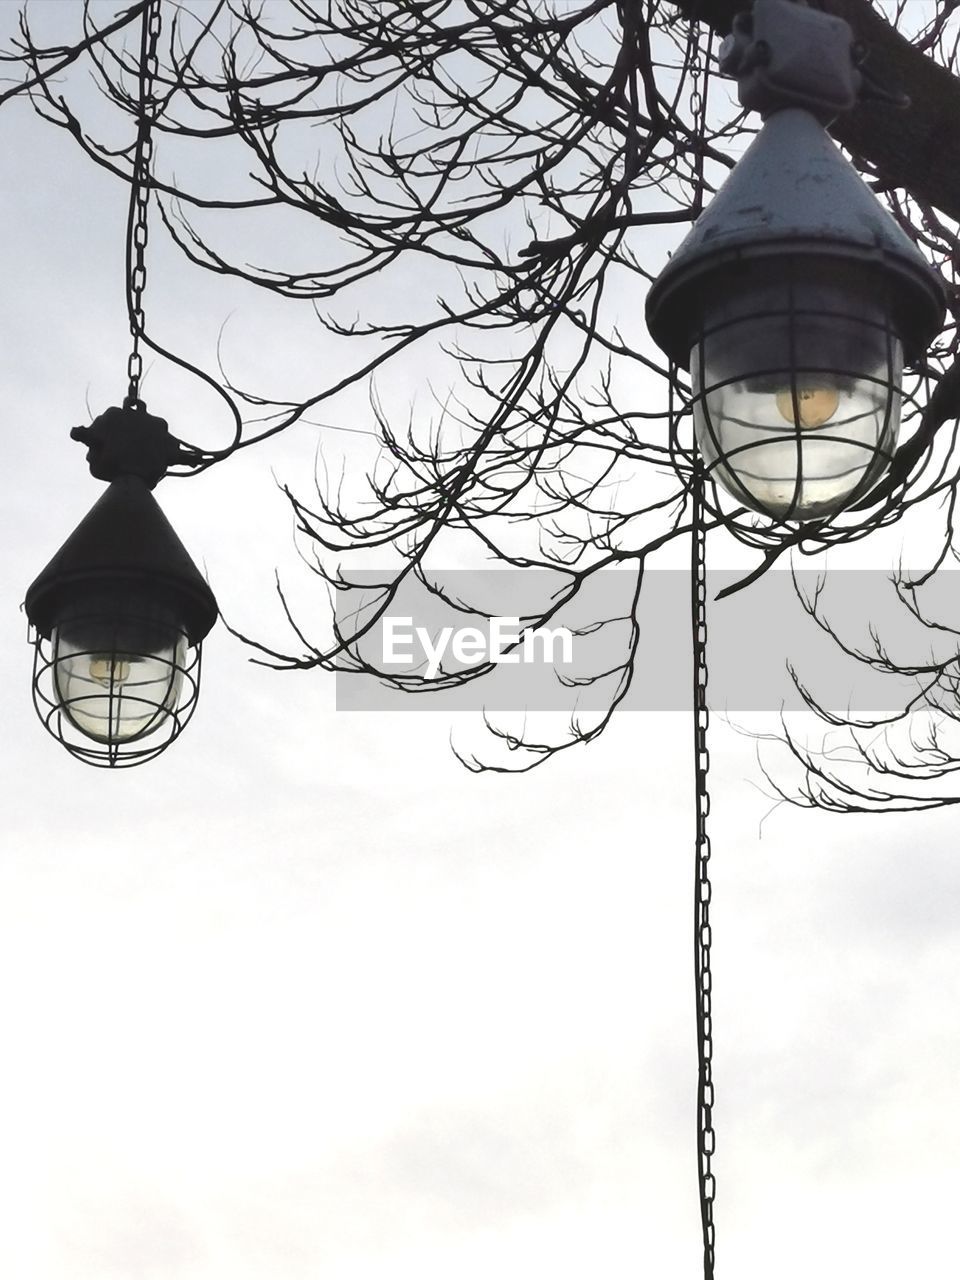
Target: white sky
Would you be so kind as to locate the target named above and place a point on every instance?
(303, 998)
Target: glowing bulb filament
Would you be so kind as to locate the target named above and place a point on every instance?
(809, 408)
(107, 669)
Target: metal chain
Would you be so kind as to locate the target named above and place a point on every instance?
(693, 62)
(702, 893)
(702, 936)
(698, 97)
(137, 224)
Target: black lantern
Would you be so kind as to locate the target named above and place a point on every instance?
(120, 611)
(796, 299)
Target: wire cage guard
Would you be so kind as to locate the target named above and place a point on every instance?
(115, 691)
(796, 385)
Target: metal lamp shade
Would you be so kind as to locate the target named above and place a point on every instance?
(119, 614)
(796, 385)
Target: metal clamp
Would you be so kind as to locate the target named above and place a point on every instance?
(128, 442)
(784, 54)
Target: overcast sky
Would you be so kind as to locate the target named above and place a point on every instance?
(304, 998)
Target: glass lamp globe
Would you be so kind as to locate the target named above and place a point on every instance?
(118, 667)
(796, 384)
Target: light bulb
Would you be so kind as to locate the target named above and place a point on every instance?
(808, 408)
(108, 669)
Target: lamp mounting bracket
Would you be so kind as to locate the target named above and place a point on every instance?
(128, 441)
(784, 54)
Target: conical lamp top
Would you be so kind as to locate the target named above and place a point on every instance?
(793, 192)
(124, 541)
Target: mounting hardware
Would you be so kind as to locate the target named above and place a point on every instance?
(784, 54)
(128, 442)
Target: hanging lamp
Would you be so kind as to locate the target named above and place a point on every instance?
(119, 613)
(796, 299)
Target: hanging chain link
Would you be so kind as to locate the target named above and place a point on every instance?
(696, 104)
(699, 90)
(137, 223)
(702, 894)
